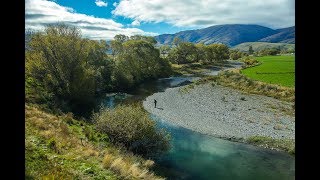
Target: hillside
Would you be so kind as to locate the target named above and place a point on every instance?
(231, 34)
(60, 147)
(285, 35)
(257, 46)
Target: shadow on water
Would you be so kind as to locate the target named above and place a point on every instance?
(197, 156)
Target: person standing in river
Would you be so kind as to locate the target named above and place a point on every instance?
(155, 103)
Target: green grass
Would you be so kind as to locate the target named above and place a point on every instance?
(278, 70)
(287, 145)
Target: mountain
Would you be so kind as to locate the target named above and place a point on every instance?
(257, 46)
(230, 34)
(285, 35)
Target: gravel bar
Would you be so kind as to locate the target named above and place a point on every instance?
(223, 112)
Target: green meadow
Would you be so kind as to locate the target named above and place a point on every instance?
(278, 70)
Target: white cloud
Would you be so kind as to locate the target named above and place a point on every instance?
(115, 4)
(135, 23)
(101, 3)
(39, 13)
(202, 13)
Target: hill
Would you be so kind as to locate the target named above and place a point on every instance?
(257, 46)
(285, 35)
(231, 35)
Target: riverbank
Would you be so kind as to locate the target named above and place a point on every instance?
(224, 112)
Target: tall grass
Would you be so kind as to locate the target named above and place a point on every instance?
(238, 81)
(59, 147)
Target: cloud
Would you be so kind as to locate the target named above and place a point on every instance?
(101, 3)
(202, 13)
(135, 23)
(115, 4)
(39, 13)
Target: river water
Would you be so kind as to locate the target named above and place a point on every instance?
(197, 156)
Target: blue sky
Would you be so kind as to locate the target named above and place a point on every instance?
(102, 19)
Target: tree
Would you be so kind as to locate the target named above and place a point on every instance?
(250, 50)
(149, 39)
(116, 44)
(200, 52)
(185, 52)
(139, 61)
(121, 38)
(216, 52)
(164, 50)
(66, 66)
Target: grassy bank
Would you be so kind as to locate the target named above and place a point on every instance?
(278, 70)
(238, 81)
(287, 145)
(61, 147)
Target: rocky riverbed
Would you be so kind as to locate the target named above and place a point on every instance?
(224, 112)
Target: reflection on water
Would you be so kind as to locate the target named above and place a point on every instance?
(197, 156)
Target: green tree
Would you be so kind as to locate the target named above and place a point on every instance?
(139, 61)
(216, 52)
(121, 38)
(65, 65)
(149, 39)
(164, 50)
(185, 52)
(200, 52)
(116, 44)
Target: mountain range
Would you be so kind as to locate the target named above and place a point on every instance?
(232, 35)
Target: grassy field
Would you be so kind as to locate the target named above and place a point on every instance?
(278, 70)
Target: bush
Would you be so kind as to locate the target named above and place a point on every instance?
(248, 61)
(130, 125)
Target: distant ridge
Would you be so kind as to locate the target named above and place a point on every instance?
(285, 35)
(231, 35)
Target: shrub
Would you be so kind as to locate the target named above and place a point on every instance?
(248, 61)
(130, 125)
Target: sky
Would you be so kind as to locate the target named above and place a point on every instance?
(103, 19)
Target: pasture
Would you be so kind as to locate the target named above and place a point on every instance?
(278, 70)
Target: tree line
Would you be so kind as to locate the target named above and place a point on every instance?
(66, 71)
(186, 52)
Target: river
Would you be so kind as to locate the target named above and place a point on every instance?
(197, 156)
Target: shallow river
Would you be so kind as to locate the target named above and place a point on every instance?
(197, 156)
